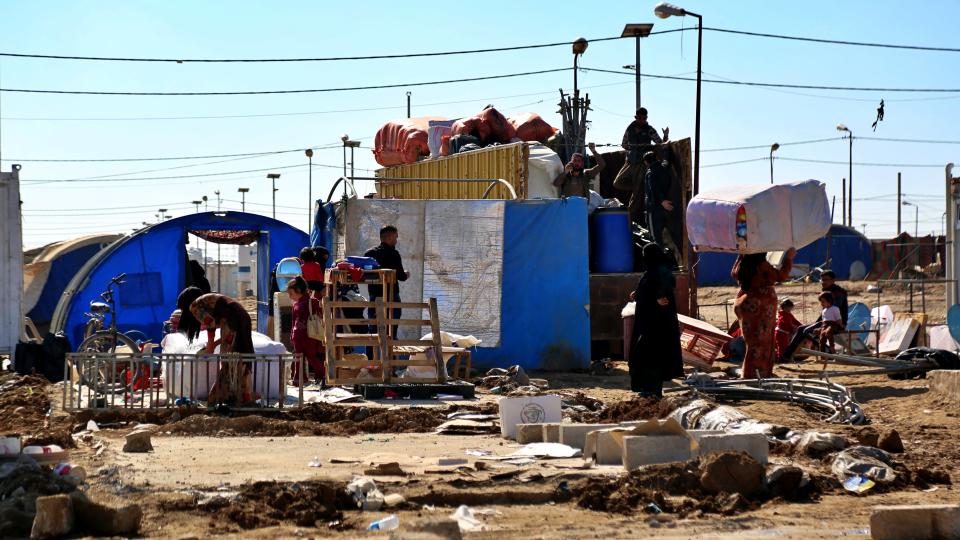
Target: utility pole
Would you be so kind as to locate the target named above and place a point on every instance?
(408, 103)
(950, 220)
(219, 258)
(899, 203)
(843, 203)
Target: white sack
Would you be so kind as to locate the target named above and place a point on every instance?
(543, 166)
(779, 217)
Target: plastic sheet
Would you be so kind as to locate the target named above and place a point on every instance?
(531, 127)
(872, 463)
(490, 126)
(778, 217)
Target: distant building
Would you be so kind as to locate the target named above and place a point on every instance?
(246, 271)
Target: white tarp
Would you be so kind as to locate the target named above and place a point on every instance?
(543, 166)
(453, 251)
(778, 216)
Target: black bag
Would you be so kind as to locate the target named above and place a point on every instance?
(943, 359)
(55, 349)
(26, 357)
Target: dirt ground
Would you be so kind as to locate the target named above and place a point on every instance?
(282, 475)
(211, 476)
(931, 297)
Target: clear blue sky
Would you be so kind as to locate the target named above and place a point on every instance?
(732, 115)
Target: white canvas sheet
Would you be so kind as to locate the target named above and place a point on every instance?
(778, 217)
(453, 251)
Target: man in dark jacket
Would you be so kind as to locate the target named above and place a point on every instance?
(387, 256)
(828, 283)
(638, 138)
(657, 202)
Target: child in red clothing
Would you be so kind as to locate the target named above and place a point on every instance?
(311, 270)
(787, 324)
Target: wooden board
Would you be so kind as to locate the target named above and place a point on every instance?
(902, 332)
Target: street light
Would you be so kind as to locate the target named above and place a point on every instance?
(773, 148)
(916, 218)
(841, 127)
(273, 182)
(243, 198)
(309, 153)
(162, 212)
(197, 204)
(664, 10)
(637, 31)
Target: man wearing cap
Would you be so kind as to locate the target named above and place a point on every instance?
(637, 140)
(828, 283)
(574, 181)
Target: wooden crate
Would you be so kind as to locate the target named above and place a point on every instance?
(700, 342)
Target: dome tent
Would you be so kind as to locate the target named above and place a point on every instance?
(155, 262)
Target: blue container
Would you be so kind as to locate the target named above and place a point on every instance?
(611, 241)
(367, 263)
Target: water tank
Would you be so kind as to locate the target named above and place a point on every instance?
(611, 242)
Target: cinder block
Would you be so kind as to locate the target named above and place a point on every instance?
(920, 522)
(945, 383)
(649, 450)
(608, 451)
(754, 444)
(529, 433)
(551, 432)
(575, 435)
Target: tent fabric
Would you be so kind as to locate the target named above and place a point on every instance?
(154, 260)
(906, 251)
(844, 246)
(49, 270)
(778, 217)
(324, 227)
(240, 238)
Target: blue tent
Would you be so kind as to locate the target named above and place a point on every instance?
(155, 261)
(844, 246)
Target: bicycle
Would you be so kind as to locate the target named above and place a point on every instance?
(124, 376)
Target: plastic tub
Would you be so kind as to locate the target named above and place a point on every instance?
(611, 241)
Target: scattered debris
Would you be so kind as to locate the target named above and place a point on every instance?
(388, 523)
(890, 442)
(871, 463)
(138, 442)
(814, 443)
(547, 450)
(315, 462)
(731, 473)
(858, 484)
(466, 520)
(54, 516)
(386, 469)
(365, 494)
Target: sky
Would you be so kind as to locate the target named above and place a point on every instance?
(57, 126)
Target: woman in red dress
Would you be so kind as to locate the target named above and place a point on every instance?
(311, 349)
(756, 309)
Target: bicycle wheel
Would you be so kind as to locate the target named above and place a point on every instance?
(100, 377)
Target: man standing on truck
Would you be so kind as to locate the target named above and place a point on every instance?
(637, 139)
(574, 181)
(388, 257)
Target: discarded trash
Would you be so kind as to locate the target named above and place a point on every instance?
(465, 518)
(9, 446)
(365, 493)
(814, 442)
(388, 523)
(138, 441)
(548, 450)
(182, 402)
(394, 499)
(858, 484)
(386, 469)
(654, 509)
(315, 462)
(74, 474)
(871, 463)
(92, 426)
(449, 462)
(50, 453)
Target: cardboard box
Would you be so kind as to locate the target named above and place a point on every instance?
(527, 410)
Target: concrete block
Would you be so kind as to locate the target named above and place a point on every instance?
(649, 450)
(529, 433)
(551, 432)
(918, 522)
(753, 444)
(945, 383)
(575, 435)
(608, 451)
(54, 516)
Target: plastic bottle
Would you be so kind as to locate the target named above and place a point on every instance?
(388, 523)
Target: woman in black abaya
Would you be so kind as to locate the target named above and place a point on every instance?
(655, 344)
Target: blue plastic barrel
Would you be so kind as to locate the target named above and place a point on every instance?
(611, 241)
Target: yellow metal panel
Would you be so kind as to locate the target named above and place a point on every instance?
(507, 162)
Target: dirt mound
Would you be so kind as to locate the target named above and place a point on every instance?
(323, 420)
(26, 405)
(642, 408)
(18, 493)
(689, 488)
(305, 504)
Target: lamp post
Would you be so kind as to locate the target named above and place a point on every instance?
(916, 218)
(841, 127)
(309, 153)
(344, 138)
(638, 31)
(273, 182)
(162, 212)
(243, 198)
(579, 108)
(773, 148)
(197, 204)
(664, 10)
(352, 145)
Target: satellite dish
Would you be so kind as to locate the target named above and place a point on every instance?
(858, 271)
(858, 319)
(953, 322)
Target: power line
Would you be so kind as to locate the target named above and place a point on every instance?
(833, 41)
(777, 85)
(106, 179)
(302, 91)
(175, 158)
(923, 141)
(861, 163)
(759, 146)
(308, 59)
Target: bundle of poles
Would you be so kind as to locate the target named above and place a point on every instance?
(833, 398)
(878, 365)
